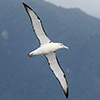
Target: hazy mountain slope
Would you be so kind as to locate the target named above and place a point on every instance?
(23, 78)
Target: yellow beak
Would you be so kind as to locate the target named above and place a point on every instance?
(66, 47)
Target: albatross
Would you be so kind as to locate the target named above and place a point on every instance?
(47, 48)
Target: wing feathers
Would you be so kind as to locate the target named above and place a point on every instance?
(58, 72)
(37, 26)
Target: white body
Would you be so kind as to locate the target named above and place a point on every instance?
(45, 49)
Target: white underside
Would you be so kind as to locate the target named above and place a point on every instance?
(45, 49)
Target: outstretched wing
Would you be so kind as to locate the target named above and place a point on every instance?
(58, 72)
(37, 26)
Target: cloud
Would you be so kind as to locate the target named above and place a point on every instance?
(4, 34)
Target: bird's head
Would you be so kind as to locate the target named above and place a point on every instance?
(63, 46)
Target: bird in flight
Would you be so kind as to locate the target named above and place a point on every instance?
(47, 48)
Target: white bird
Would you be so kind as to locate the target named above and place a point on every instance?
(47, 48)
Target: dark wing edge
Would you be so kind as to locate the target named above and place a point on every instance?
(26, 6)
(66, 93)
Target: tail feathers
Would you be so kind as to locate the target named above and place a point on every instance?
(30, 55)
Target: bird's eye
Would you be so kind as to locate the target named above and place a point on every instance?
(61, 44)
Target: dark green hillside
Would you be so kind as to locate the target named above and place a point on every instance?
(23, 78)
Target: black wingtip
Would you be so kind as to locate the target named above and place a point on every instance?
(66, 93)
(24, 4)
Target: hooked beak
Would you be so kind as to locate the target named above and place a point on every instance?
(66, 47)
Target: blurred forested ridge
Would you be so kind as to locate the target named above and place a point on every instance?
(24, 78)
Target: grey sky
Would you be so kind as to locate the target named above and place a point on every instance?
(92, 7)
